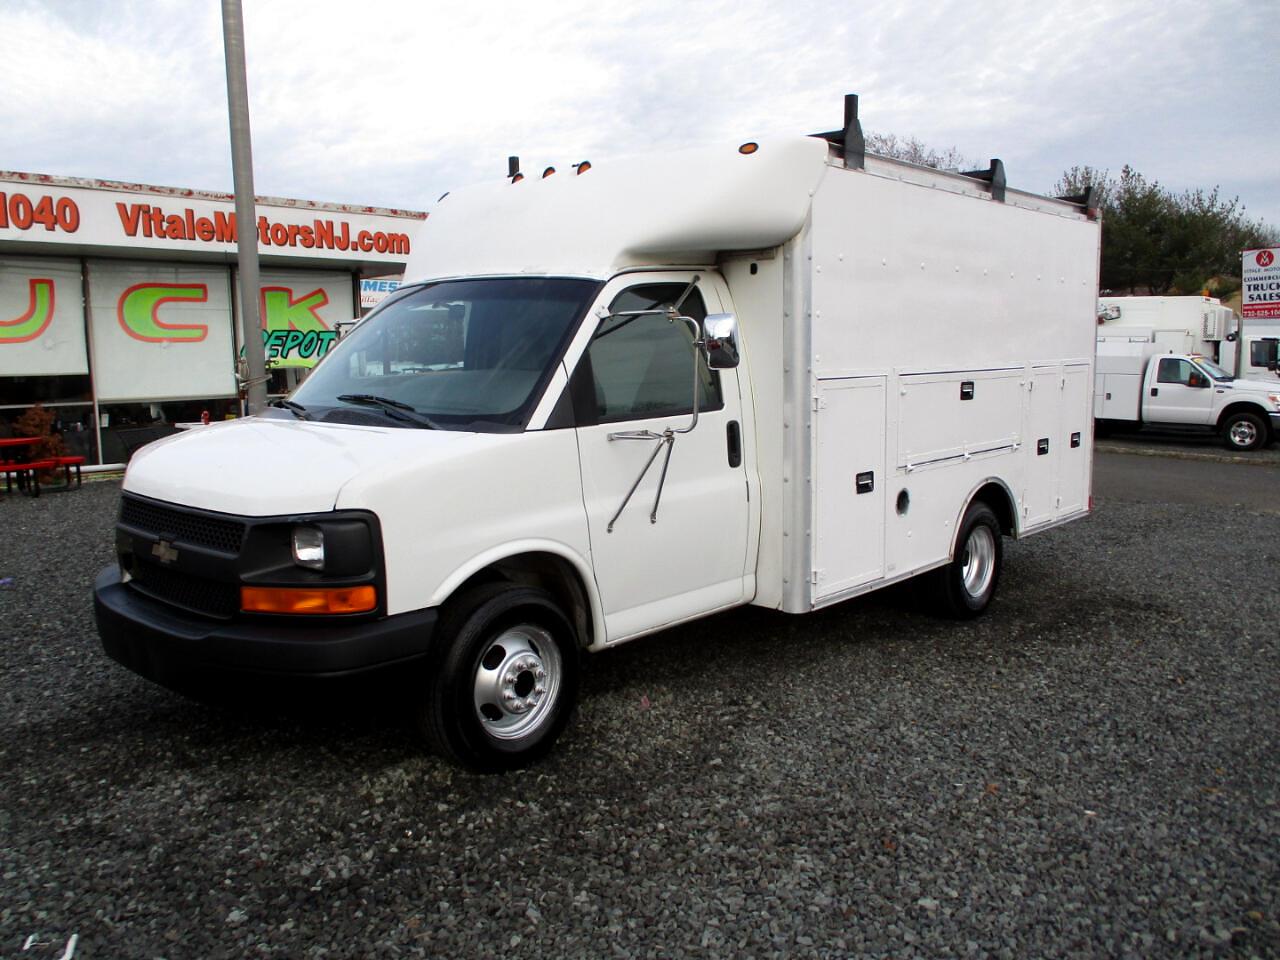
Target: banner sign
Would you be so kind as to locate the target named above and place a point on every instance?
(299, 313)
(1260, 296)
(373, 292)
(161, 331)
(97, 214)
(41, 318)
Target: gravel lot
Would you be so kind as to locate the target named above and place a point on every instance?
(1091, 769)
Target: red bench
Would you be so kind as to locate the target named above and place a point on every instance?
(29, 472)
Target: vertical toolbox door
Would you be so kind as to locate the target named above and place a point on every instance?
(849, 484)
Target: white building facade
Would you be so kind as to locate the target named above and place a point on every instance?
(118, 306)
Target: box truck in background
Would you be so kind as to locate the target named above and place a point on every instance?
(620, 397)
(1244, 348)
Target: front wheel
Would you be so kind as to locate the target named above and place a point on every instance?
(1244, 431)
(967, 584)
(506, 679)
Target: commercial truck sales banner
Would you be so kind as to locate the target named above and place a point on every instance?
(41, 318)
(299, 312)
(1261, 273)
(161, 331)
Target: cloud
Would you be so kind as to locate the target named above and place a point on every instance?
(395, 102)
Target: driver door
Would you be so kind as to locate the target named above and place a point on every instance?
(636, 374)
(1180, 394)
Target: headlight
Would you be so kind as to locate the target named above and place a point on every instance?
(308, 547)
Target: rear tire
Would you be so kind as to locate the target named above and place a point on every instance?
(967, 584)
(504, 680)
(1244, 431)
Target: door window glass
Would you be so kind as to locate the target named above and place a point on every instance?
(643, 365)
(1174, 370)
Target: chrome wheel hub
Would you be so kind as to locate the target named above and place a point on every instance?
(517, 681)
(978, 565)
(1243, 433)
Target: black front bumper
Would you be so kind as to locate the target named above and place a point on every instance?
(175, 649)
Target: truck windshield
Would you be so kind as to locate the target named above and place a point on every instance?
(1215, 371)
(456, 354)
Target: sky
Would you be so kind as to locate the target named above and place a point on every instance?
(393, 103)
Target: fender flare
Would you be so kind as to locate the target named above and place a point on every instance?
(973, 492)
(446, 588)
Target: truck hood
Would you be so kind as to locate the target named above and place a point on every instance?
(1255, 389)
(259, 467)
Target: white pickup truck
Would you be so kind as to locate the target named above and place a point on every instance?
(617, 398)
(1137, 384)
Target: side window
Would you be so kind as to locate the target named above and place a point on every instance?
(642, 366)
(1173, 370)
(1262, 353)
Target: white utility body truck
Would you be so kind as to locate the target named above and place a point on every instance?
(1138, 383)
(1194, 325)
(621, 397)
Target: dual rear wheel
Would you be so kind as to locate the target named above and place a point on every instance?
(965, 586)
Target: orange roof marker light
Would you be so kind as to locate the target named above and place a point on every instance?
(548, 172)
(749, 148)
(322, 600)
(582, 167)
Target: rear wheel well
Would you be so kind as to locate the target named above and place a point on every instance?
(545, 571)
(996, 496)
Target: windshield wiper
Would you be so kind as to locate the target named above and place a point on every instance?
(297, 409)
(395, 409)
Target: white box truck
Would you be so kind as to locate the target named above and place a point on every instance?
(620, 397)
(1203, 326)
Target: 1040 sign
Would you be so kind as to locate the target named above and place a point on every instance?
(21, 212)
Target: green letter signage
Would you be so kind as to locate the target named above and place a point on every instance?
(138, 312)
(37, 318)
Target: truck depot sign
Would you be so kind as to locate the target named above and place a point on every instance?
(158, 330)
(1260, 296)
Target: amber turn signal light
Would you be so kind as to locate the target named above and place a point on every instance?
(309, 600)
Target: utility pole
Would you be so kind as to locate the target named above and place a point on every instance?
(255, 376)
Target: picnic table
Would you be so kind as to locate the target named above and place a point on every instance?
(17, 463)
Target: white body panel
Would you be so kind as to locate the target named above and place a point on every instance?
(918, 280)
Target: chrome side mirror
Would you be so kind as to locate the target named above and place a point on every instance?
(720, 340)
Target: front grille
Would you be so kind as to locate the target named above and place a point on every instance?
(210, 597)
(180, 526)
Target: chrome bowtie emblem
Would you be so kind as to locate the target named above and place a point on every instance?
(163, 551)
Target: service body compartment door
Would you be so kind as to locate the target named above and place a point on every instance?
(1073, 479)
(849, 484)
(1043, 446)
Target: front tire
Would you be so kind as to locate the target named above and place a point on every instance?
(505, 680)
(967, 584)
(1244, 431)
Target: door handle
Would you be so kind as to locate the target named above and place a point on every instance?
(733, 436)
(1155, 391)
